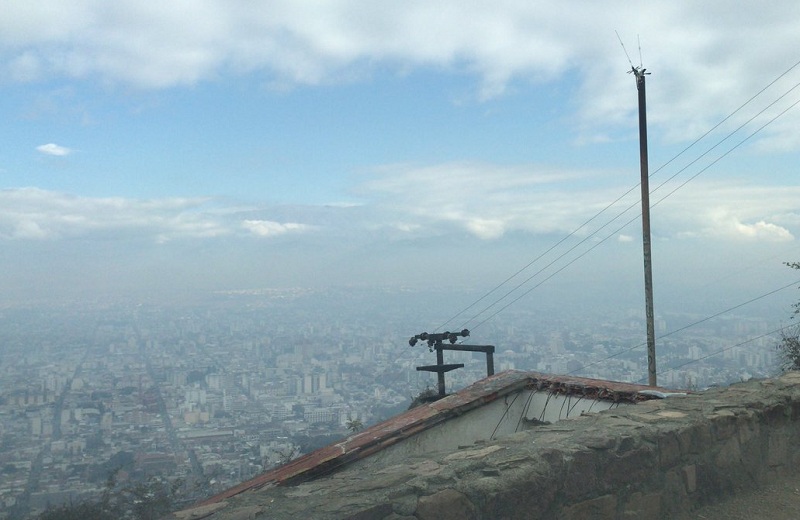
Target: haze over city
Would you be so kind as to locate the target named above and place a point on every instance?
(221, 221)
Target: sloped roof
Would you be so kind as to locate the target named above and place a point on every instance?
(382, 435)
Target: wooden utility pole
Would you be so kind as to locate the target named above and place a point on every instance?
(639, 73)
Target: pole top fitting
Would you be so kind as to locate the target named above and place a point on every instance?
(436, 338)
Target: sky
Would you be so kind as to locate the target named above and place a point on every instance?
(162, 148)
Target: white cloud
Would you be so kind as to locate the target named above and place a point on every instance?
(268, 228)
(28, 229)
(344, 204)
(706, 58)
(481, 200)
(730, 210)
(407, 227)
(53, 149)
(733, 229)
(32, 213)
(485, 200)
(486, 229)
(764, 230)
(730, 226)
(489, 202)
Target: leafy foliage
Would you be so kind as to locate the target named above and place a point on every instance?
(148, 500)
(354, 425)
(795, 306)
(80, 511)
(789, 346)
(153, 499)
(428, 395)
(106, 508)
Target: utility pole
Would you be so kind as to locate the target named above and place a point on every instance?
(640, 74)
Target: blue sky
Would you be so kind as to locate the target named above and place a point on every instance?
(187, 145)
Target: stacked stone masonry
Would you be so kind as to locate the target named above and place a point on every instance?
(657, 459)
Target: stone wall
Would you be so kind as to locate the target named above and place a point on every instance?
(658, 459)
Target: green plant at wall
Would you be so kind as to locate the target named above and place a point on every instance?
(789, 345)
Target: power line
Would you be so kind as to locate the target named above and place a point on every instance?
(507, 294)
(607, 207)
(519, 285)
(620, 228)
(698, 322)
(715, 161)
(784, 253)
(720, 351)
(515, 300)
(726, 118)
(521, 270)
(730, 134)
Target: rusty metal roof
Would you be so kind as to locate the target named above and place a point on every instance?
(382, 435)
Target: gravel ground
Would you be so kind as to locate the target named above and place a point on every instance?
(778, 500)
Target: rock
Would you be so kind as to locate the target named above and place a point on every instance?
(448, 504)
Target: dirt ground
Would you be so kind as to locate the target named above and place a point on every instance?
(778, 500)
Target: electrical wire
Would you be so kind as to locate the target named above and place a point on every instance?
(693, 324)
(518, 286)
(675, 157)
(702, 170)
(715, 161)
(720, 351)
(782, 254)
(730, 134)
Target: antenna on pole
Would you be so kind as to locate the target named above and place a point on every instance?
(626, 52)
(640, 74)
(639, 42)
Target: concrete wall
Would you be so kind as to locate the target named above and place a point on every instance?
(655, 460)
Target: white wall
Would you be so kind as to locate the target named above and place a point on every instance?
(499, 418)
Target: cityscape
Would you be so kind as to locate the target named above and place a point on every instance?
(221, 226)
(213, 393)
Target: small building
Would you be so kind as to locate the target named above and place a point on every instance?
(492, 408)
